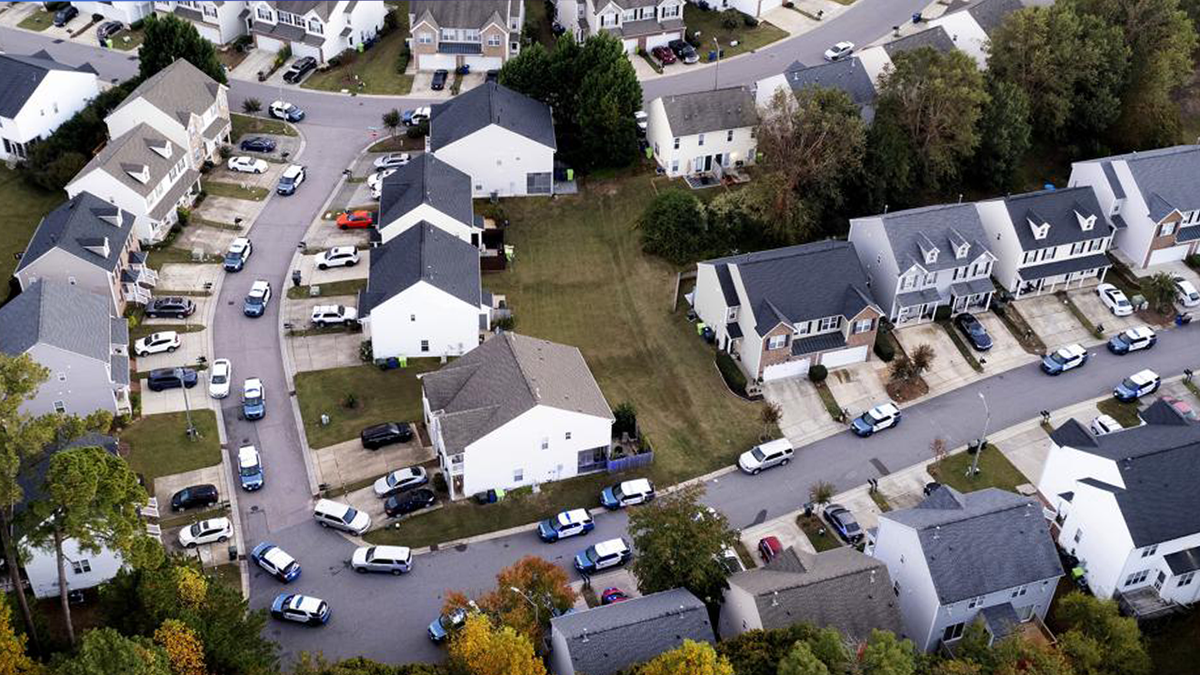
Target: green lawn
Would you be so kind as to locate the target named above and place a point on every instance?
(994, 471)
(228, 574)
(707, 25)
(19, 222)
(38, 21)
(1126, 414)
(372, 71)
(831, 404)
(818, 532)
(159, 445)
(247, 124)
(967, 354)
(134, 40)
(252, 193)
(381, 396)
(343, 287)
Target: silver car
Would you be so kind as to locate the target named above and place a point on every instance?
(391, 559)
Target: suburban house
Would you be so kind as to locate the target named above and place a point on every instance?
(703, 132)
(37, 94)
(1047, 241)
(479, 34)
(423, 296)
(428, 190)
(638, 24)
(922, 259)
(77, 337)
(125, 12)
(755, 8)
(502, 139)
(183, 104)
(839, 588)
(88, 243)
(956, 558)
(144, 172)
(782, 311)
(218, 22)
(1153, 200)
(848, 75)
(320, 29)
(1125, 505)
(516, 411)
(613, 638)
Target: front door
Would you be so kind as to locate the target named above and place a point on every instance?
(708, 163)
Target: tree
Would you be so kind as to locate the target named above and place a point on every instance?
(769, 415)
(167, 38)
(528, 593)
(184, 650)
(55, 160)
(251, 105)
(1160, 292)
(1098, 640)
(821, 492)
(801, 661)
(758, 652)
(679, 543)
(674, 227)
(1004, 134)
(829, 646)
(480, 648)
(309, 664)
(890, 175)
(527, 73)
(922, 359)
(690, 658)
(13, 659)
(908, 369)
(104, 651)
(392, 120)
(1019, 656)
(885, 654)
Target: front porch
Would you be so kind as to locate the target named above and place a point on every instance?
(971, 296)
(1062, 276)
(916, 307)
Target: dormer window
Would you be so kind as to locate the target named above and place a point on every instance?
(928, 250)
(1086, 223)
(97, 245)
(112, 217)
(139, 172)
(1040, 230)
(931, 256)
(163, 148)
(264, 13)
(1116, 207)
(963, 250)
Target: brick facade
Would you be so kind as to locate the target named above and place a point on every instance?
(771, 357)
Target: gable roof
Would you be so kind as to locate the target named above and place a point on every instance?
(1059, 209)
(1167, 178)
(703, 111)
(422, 253)
(981, 542)
(426, 180)
(490, 104)
(989, 14)
(60, 315)
(20, 76)
(461, 13)
(80, 226)
(302, 7)
(840, 587)
(132, 152)
(503, 378)
(179, 90)
(849, 75)
(935, 37)
(611, 638)
(940, 225)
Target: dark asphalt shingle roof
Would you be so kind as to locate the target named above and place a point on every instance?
(935, 37)
(460, 13)
(180, 90)
(705, 111)
(1182, 562)
(989, 14)
(20, 76)
(941, 225)
(77, 222)
(848, 75)
(1089, 262)
(427, 180)
(323, 8)
(422, 253)
(490, 104)
(605, 640)
(1165, 177)
(1063, 210)
(61, 315)
(818, 343)
(133, 152)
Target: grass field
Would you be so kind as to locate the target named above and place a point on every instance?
(38, 21)
(26, 205)
(380, 396)
(134, 40)
(232, 191)
(374, 69)
(1124, 413)
(994, 471)
(248, 124)
(818, 532)
(159, 445)
(709, 25)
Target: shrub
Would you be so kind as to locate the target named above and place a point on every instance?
(884, 348)
(439, 482)
(350, 401)
(365, 353)
(749, 21)
(418, 131)
(390, 22)
(506, 322)
(225, 151)
(626, 419)
(818, 373)
(1193, 261)
(402, 60)
(137, 25)
(251, 105)
(730, 19)
(184, 216)
(734, 377)
(942, 313)
(282, 56)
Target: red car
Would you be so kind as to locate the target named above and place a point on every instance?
(1182, 406)
(769, 548)
(612, 595)
(664, 55)
(356, 219)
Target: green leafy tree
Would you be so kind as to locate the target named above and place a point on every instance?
(167, 38)
(1160, 292)
(829, 646)
(310, 664)
(392, 120)
(1098, 640)
(55, 160)
(104, 651)
(674, 227)
(679, 542)
(802, 661)
(1018, 656)
(1004, 133)
(885, 654)
(821, 492)
(758, 652)
(251, 105)
(889, 179)
(528, 73)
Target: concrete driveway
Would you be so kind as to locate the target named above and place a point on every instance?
(784, 528)
(166, 486)
(1098, 313)
(325, 351)
(950, 370)
(349, 462)
(324, 234)
(1053, 321)
(189, 277)
(311, 275)
(804, 417)
(256, 60)
(191, 347)
(1006, 352)
(286, 147)
(860, 386)
(267, 179)
(202, 304)
(228, 211)
(213, 241)
(172, 400)
(299, 312)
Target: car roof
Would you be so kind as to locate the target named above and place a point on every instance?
(305, 603)
(221, 363)
(1073, 349)
(1142, 376)
(240, 242)
(573, 516)
(635, 485)
(293, 170)
(1108, 421)
(333, 507)
(408, 471)
(394, 552)
(247, 455)
(259, 284)
(772, 542)
(885, 409)
(164, 334)
(278, 557)
(215, 523)
(338, 250)
(611, 546)
(1140, 332)
(253, 383)
(775, 445)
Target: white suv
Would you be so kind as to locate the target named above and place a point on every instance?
(219, 376)
(156, 343)
(394, 559)
(338, 256)
(217, 530)
(328, 315)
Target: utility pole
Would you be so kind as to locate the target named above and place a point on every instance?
(717, 73)
(983, 440)
(191, 428)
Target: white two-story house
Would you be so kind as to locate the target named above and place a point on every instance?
(479, 34)
(922, 259)
(1047, 241)
(125, 11)
(1153, 200)
(1126, 506)
(515, 411)
(321, 30)
(428, 190)
(956, 558)
(37, 94)
(182, 103)
(638, 24)
(218, 22)
(703, 132)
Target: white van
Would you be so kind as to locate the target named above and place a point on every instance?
(766, 455)
(341, 516)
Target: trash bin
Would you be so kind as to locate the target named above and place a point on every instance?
(233, 553)
(295, 277)
(808, 509)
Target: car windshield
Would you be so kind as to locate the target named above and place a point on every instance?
(618, 493)
(1059, 357)
(758, 454)
(1128, 383)
(351, 514)
(850, 526)
(1124, 337)
(285, 181)
(218, 378)
(394, 478)
(874, 416)
(195, 530)
(592, 555)
(251, 470)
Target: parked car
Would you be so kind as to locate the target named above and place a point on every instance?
(338, 256)
(375, 181)
(439, 79)
(220, 373)
(684, 52)
(841, 50)
(1114, 300)
(378, 435)
(276, 562)
(171, 378)
(409, 502)
(157, 343)
(441, 627)
(664, 55)
(213, 530)
(239, 252)
(1104, 424)
(391, 559)
(339, 516)
(416, 116)
(1186, 292)
(290, 179)
(63, 16)
(643, 122)
(254, 399)
(566, 524)
(247, 164)
(285, 111)
(766, 455)
(194, 496)
(257, 299)
(299, 68)
(1132, 340)
(355, 219)
(974, 331)
(730, 560)
(257, 144)
(1183, 407)
(882, 416)
(843, 522)
(1064, 359)
(769, 548)
(611, 596)
(601, 556)
(303, 609)
(392, 160)
(1137, 385)
(173, 307)
(250, 468)
(332, 315)
(637, 491)
(107, 30)
(400, 480)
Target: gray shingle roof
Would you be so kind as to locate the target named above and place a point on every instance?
(849, 75)
(1090, 262)
(939, 225)
(460, 13)
(1182, 562)
(1167, 178)
(21, 75)
(179, 90)
(841, 588)
(1062, 209)
(469, 112)
(981, 542)
(1001, 620)
(78, 222)
(704, 111)
(989, 14)
(422, 253)
(58, 314)
(301, 7)
(608, 639)
(935, 37)
(504, 377)
(427, 180)
(131, 151)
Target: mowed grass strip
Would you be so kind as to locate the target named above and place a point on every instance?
(25, 206)
(378, 396)
(159, 445)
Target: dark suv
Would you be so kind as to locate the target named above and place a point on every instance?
(196, 495)
(408, 502)
(375, 437)
(107, 30)
(170, 308)
(63, 16)
(299, 69)
(171, 378)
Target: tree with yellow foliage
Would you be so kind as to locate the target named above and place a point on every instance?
(690, 658)
(192, 586)
(480, 648)
(184, 650)
(13, 659)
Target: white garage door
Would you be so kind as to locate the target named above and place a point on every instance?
(482, 64)
(844, 356)
(268, 44)
(300, 50)
(660, 40)
(210, 33)
(437, 62)
(1169, 254)
(630, 46)
(768, 5)
(781, 370)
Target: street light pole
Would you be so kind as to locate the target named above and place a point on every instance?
(983, 440)
(717, 69)
(536, 616)
(191, 428)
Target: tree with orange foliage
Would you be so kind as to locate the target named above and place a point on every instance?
(690, 658)
(13, 659)
(482, 648)
(184, 649)
(528, 593)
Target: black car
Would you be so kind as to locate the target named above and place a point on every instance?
(258, 144)
(843, 522)
(171, 378)
(379, 435)
(193, 496)
(976, 334)
(299, 69)
(63, 16)
(439, 80)
(408, 502)
(170, 308)
(107, 30)
(684, 51)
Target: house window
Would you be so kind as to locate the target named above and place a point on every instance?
(1136, 577)
(265, 14)
(1018, 592)
(424, 345)
(656, 148)
(630, 15)
(424, 38)
(1186, 579)
(412, 317)
(545, 442)
(449, 34)
(777, 342)
(729, 136)
(675, 165)
(568, 436)
(1078, 534)
(81, 566)
(701, 143)
(676, 143)
(60, 407)
(518, 475)
(828, 323)
(896, 587)
(315, 26)
(1167, 229)
(1078, 247)
(670, 11)
(930, 278)
(975, 602)
(952, 632)
(470, 35)
(62, 377)
(494, 40)
(1149, 551)
(864, 326)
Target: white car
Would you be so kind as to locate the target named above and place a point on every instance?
(392, 160)
(157, 343)
(329, 315)
(217, 530)
(400, 480)
(839, 51)
(219, 376)
(338, 256)
(394, 559)
(375, 180)
(1186, 291)
(416, 116)
(244, 164)
(882, 416)
(285, 111)
(301, 609)
(1114, 300)
(643, 121)
(1105, 424)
